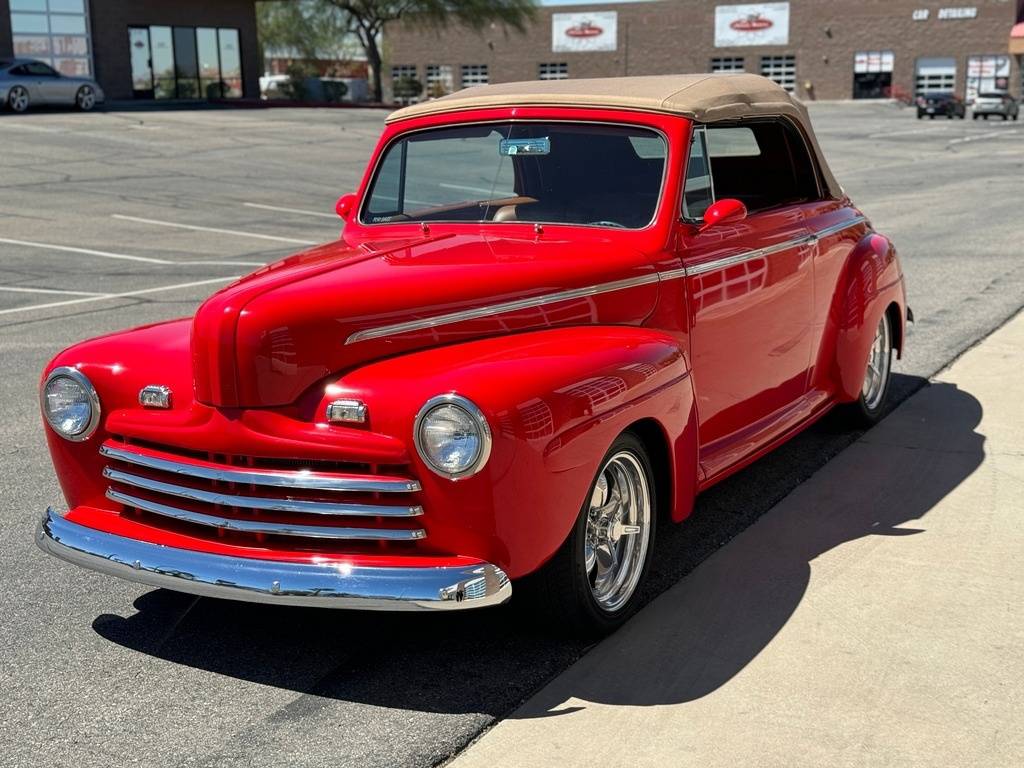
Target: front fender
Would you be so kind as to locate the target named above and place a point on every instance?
(872, 281)
(555, 401)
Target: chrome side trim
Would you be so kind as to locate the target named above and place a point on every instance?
(326, 585)
(498, 309)
(258, 526)
(739, 258)
(258, 502)
(840, 227)
(592, 290)
(275, 478)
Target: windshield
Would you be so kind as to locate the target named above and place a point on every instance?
(557, 173)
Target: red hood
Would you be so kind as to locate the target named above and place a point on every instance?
(269, 337)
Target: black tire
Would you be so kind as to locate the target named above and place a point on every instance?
(562, 587)
(85, 99)
(974, 117)
(868, 410)
(18, 99)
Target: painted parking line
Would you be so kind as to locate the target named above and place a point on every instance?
(124, 295)
(300, 211)
(218, 230)
(88, 251)
(983, 136)
(129, 257)
(58, 291)
(910, 131)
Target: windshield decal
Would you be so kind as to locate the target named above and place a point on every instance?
(512, 147)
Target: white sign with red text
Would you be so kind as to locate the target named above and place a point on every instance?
(593, 31)
(751, 24)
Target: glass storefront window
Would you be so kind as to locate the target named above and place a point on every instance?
(28, 5)
(230, 63)
(55, 32)
(185, 62)
(32, 46)
(209, 63)
(29, 23)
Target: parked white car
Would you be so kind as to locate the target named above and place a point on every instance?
(1001, 104)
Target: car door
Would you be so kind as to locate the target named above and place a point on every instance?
(47, 82)
(749, 289)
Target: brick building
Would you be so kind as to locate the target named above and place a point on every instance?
(819, 49)
(143, 49)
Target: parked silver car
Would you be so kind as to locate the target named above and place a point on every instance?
(26, 82)
(1001, 104)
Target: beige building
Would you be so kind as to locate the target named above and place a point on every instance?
(819, 49)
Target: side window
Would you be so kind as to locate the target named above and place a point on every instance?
(36, 68)
(698, 193)
(764, 165)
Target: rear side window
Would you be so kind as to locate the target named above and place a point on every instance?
(764, 165)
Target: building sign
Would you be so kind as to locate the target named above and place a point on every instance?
(751, 24)
(594, 31)
(957, 13)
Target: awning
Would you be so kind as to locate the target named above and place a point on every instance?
(1017, 38)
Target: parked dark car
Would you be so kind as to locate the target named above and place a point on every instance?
(937, 104)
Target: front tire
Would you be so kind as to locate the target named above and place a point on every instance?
(591, 585)
(85, 99)
(874, 393)
(17, 99)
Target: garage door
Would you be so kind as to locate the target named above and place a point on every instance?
(935, 76)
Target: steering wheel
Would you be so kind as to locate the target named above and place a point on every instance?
(606, 223)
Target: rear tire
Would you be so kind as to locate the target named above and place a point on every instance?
(18, 99)
(871, 404)
(591, 586)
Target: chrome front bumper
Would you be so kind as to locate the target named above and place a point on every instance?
(270, 581)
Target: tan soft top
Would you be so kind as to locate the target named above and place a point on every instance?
(703, 98)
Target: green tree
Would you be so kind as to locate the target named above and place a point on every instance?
(309, 28)
(368, 17)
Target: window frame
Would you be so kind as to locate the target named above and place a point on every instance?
(378, 161)
(793, 131)
(702, 130)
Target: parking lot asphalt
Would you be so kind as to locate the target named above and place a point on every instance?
(110, 220)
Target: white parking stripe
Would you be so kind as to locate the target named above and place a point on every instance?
(224, 263)
(982, 137)
(300, 211)
(88, 251)
(22, 289)
(125, 295)
(218, 230)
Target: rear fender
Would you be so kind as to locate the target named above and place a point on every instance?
(555, 400)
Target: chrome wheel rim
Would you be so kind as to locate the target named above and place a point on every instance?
(877, 375)
(618, 529)
(86, 98)
(18, 99)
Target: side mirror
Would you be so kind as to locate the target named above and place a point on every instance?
(727, 210)
(345, 205)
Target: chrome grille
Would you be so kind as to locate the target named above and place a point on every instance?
(244, 500)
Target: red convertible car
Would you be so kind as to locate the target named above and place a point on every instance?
(557, 312)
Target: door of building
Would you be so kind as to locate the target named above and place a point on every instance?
(142, 62)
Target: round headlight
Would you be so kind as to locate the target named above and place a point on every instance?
(452, 436)
(70, 404)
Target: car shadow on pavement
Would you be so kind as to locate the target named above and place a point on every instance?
(491, 660)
